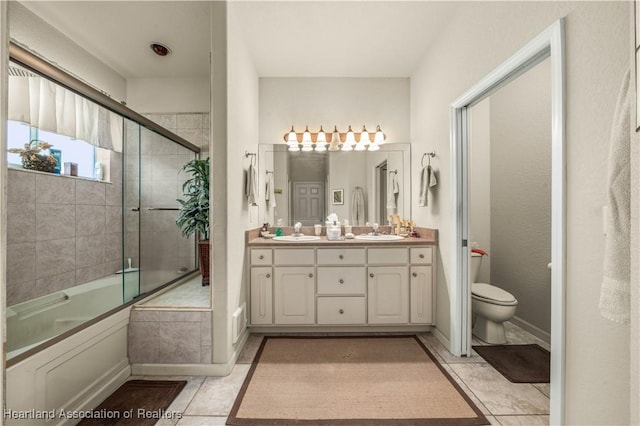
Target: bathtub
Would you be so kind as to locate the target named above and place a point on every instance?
(35, 321)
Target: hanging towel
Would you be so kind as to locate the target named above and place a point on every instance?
(427, 180)
(358, 207)
(269, 193)
(251, 186)
(393, 189)
(615, 289)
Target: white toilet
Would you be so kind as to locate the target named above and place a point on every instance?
(491, 307)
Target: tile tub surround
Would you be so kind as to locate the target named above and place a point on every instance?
(169, 336)
(61, 231)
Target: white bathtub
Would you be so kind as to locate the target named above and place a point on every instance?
(38, 320)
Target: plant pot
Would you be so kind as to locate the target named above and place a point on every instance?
(39, 162)
(203, 253)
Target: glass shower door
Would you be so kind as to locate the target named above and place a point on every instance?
(165, 255)
(131, 211)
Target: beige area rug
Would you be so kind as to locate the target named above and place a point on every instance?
(376, 380)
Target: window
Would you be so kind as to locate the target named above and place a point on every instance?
(72, 150)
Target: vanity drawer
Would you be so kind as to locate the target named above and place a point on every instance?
(421, 255)
(341, 257)
(261, 257)
(386, 256)
(341, 310)
(294, 257)
(337, 280)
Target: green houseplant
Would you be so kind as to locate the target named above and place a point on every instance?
(194, 210)
(36, 156)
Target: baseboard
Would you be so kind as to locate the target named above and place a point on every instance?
(527, 326)
(441, 338)
(365, 329)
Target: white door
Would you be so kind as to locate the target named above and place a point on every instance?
(388, 297)
(308, 202)
(261, 296)
(294, 292)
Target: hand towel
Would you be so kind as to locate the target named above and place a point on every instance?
(615, 289)
(251, 186)
(427, 180)
(358, 207)
(393, 189)
(269, 194)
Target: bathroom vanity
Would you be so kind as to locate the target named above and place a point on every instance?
(345, 284)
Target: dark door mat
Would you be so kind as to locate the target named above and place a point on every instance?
(136, 402)
(518, 363)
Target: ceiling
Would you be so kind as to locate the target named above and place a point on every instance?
(284, 38)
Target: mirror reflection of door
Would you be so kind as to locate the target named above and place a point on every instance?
(381, 191)
(308, 202)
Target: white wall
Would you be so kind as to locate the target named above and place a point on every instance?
(242, 128)
(162, 95)
(38, 36)
(333, 101)
(521, 194)
(479, 38)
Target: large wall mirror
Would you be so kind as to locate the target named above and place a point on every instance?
(362, 187)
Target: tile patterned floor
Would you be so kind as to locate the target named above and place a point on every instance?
(208, 400)
(191, 294)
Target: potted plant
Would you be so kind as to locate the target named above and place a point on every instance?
(194, 210)
(36, 155)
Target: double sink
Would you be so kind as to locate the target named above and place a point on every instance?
(304, 238)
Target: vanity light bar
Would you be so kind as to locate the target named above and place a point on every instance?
(334, 141)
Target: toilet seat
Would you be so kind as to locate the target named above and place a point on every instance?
(492, 294)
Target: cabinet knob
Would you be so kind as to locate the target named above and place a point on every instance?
(261, 257)
(415, 274)
(371, 275)
(268, 275)
(341, 311)
(341, 257)
(421, 256)
(310, 275)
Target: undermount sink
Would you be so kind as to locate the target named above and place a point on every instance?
(298, 238)
(380, 237)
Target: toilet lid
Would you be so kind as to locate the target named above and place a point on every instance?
(491, 292)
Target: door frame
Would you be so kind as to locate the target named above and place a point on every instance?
(548, 44)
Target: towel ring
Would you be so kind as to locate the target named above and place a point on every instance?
(430, 155)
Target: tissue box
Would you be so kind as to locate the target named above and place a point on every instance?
(333, 231)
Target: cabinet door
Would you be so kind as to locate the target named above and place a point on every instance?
(294, 292)
(261, 296)
(421, 295)
(388, 294)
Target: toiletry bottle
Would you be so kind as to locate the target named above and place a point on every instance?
(98, 170)
(278, 232)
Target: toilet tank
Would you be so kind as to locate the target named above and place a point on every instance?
(476, 261)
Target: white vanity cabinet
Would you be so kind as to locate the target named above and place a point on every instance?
(329, 286)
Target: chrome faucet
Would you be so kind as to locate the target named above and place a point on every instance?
(296, 229)
(375, 229)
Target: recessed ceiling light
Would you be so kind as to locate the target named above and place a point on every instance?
(160, 49)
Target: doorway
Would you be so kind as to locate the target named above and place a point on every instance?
(549, 44)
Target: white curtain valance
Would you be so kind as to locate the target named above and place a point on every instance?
(49, 106)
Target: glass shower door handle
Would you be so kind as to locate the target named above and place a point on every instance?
(163, 208)
(135, 209)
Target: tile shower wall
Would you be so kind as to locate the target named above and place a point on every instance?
(61, 231)
(159, 160)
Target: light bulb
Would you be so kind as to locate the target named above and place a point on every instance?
(321, 140)
(364, 136)
(351, 138)
(335, 140)
(306, 136)
(293, 147)
(379, 138)
(374, 147)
